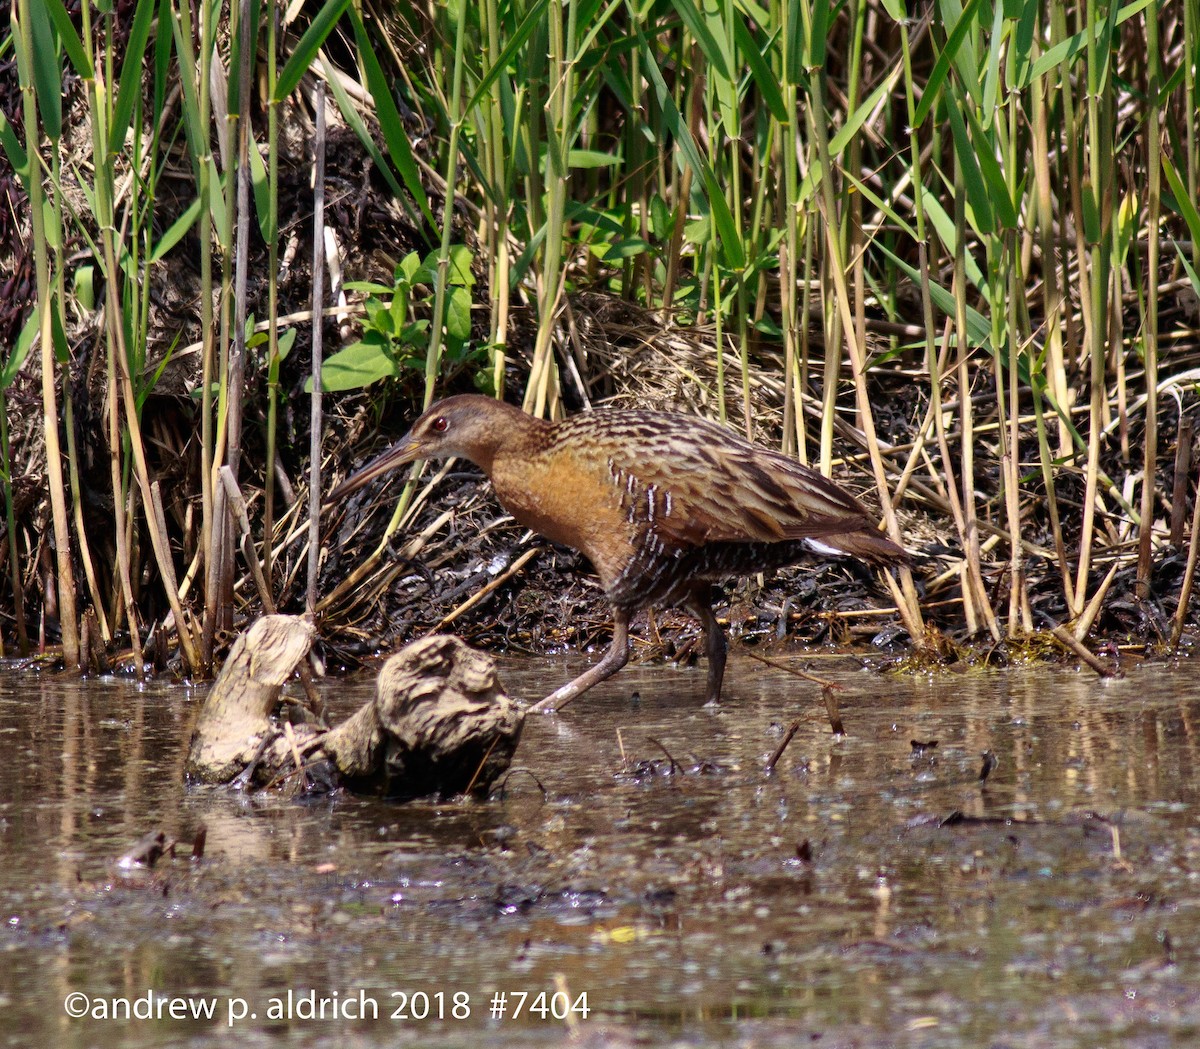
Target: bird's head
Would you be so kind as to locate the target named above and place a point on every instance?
(468, 426)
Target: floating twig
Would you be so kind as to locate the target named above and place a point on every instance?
(793, 728)
(795, 671)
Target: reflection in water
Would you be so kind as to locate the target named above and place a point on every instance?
(864, 891)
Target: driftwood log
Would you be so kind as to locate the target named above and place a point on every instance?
(439, 722)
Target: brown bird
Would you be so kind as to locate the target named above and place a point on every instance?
(662, 504)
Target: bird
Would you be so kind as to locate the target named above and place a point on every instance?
(662, 504)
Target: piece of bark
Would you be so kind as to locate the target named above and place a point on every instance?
(235, 720)
(440, 723)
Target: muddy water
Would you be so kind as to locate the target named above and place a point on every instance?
(857, 896)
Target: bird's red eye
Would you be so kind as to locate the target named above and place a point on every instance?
(440, 424)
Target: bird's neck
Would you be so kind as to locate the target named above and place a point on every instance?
(510, 435)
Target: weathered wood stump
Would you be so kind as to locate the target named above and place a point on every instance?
(235, 728)
(439, 723)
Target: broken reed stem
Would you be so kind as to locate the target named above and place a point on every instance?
(318, 295)
(159, 521)
(237, 507)
(1083, 652)
(1088, 616)
(831, 708)
(483, 592)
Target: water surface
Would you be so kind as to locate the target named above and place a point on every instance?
(859, 895)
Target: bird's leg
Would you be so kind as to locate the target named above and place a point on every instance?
(714, 641)
(615, 658)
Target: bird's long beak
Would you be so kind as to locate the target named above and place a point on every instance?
(406, 450)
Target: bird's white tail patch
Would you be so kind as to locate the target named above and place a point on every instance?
(817, 547)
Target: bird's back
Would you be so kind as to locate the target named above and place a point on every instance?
(697, 482)
(678, 500)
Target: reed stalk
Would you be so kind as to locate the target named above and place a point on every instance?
(10, 522)
(318, 299)
(47, 308)
(270, 13)
(1150, 329)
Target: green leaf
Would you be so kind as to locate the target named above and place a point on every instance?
(625, 248)
(306, 50)
(408, 267)
(163, 54)
(66, 33)
(1066, 50)
(991, 78)
(698, 231)
(822, 15)
(359, 364)
(20, 350)
(395, 135)
(855, 121)
(997, 188)
(714, 52)
(973, 179)
(943, 223)
(285, 342)
(660, 217)
(1092, 230)
(459, 271)
(591, 158)
(13, 149)
(966, 59)
(458, 314)
(52, 221)
(176, 231)
(941, 68)
(62, 348)
(1187, 265)
(130, 85)
(369, 286)
(793, 72)
(760, 72)
(83, 287)
(196, 132)
(732, 248)
(605, 221)
(1183, 201)
(47, 76)
(261, 185)
(979, 328)
(1126, 227)
(1020, 55)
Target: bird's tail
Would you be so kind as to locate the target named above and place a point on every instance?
(867, 544)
